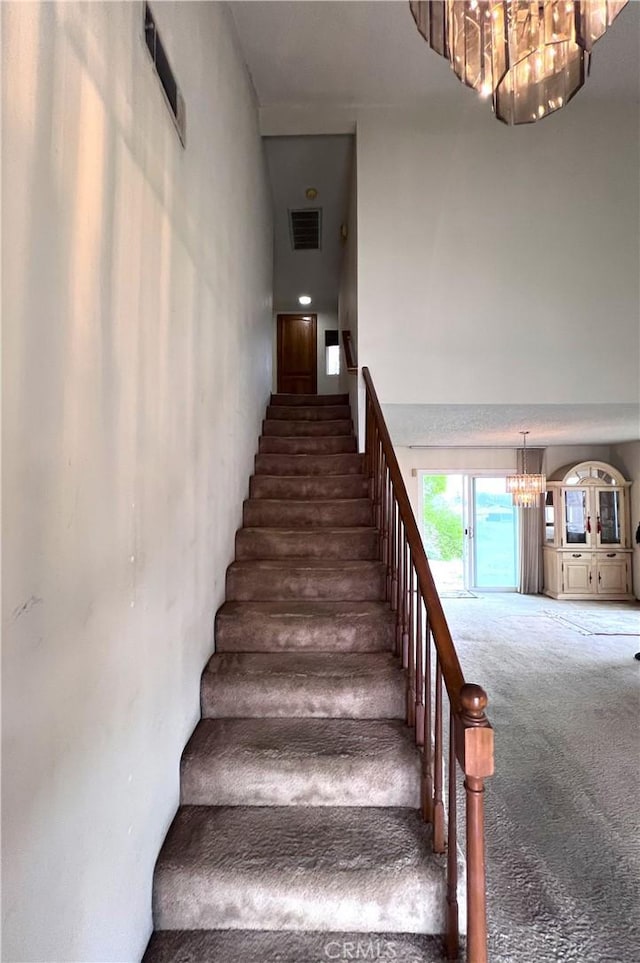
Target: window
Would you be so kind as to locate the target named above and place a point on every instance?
(173, 97)
(332, 352)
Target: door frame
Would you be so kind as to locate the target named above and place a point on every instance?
(314, 322)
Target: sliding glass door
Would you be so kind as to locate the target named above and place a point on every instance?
(469, 528)
(495, 535)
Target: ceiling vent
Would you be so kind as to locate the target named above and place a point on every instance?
(305, 229)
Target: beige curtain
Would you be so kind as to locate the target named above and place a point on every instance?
(530, 522)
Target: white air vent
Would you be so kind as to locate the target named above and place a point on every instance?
(305, 229)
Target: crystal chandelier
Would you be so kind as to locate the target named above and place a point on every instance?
(525, 488)
(530, 56)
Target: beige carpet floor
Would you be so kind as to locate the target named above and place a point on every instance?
(563, 807)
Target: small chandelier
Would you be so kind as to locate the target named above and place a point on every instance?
(525, 488)
(530, 56)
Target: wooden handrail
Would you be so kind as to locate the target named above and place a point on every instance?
(347, 342)
(421, 624)
(453, 677)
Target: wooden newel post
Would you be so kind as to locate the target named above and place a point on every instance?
(475, 755)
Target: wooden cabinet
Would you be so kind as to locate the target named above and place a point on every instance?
(587, 547)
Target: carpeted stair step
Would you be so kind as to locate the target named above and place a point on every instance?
(308, 429)
(311, 486)
(345, 543)
(354, 626)
(282, 579)
(307, 400)
(349, 464)
(325, 445)
(303, 684)
(307, 513)
(299, 868)
(308, 412)
(300, 762)
(259, 946)
(300, 786)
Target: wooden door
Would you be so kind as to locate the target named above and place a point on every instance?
(297, 354)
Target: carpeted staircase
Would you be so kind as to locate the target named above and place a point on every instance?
(298, 838)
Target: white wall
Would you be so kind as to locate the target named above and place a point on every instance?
(499, 265)
(327, 384)
(560, 456)
(626, 457)
(137, 362)
(348, 306)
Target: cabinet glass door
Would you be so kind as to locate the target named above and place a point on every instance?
(577, 522)
(609, 521)
(549, 516)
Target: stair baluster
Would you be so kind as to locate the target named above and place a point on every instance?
(394, 555)
(427, 741)
(452, 941)
(419, 680)
(411, 674)
(438, 803)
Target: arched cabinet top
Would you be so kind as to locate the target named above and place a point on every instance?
(589, 473)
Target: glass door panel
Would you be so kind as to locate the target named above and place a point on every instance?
(494, 535)
(549, 517)
(577, 522)
(442, 526)
(609, 527)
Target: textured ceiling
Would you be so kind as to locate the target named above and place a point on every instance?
(362, 53)
(499, 425)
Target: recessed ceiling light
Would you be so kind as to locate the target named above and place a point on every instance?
(304, 299)
(311, 193)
